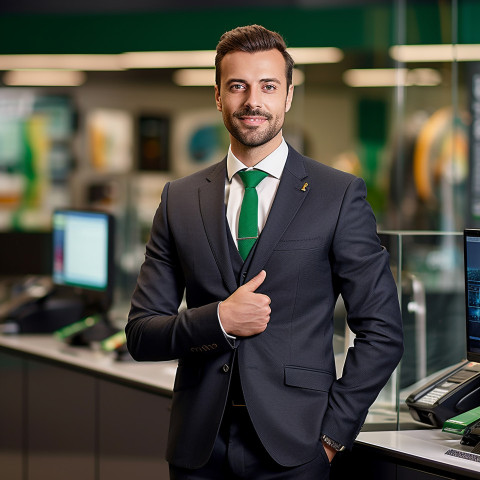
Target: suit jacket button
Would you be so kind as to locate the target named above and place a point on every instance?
(226, 368)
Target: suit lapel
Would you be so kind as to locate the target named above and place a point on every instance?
(212, 208)
(290, 195)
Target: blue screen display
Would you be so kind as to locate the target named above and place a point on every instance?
(472, 285)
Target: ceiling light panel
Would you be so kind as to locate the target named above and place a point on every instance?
(392, 77)
(71, 62)
(435, 53)
(178, 59)
(65, 78)
(316, 55)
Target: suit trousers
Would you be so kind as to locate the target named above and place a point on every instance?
(239, 455)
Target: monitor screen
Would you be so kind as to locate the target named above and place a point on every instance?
(83, 252)
(472, 292)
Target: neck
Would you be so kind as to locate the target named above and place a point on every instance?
(250, 156)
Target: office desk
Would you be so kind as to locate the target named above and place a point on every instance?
(70, 412)
(155, 376)
(408, 455)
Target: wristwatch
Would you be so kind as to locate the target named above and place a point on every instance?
(332, 443)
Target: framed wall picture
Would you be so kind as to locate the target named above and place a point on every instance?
(200, 139)
(154, 143)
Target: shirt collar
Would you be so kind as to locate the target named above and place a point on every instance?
(273, 164)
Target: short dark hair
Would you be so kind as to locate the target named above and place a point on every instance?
(251, 39)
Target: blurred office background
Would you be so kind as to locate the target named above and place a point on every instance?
(103, 102)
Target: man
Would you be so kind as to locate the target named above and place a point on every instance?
(256, 394)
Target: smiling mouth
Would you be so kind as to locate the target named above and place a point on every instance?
(253, 120)
(252, 117)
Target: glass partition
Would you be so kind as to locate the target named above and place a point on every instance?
(428, 269)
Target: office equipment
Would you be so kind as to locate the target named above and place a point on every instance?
(461, 424)
(25, 253)
(83, 256)
(72, 329)
(81, 282)
(34, 306)
(472, 292)
(28, 291)
(471, 437)
(83, 267)
(457, 390)
(468, 425)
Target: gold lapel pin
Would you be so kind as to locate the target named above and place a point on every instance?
(304, 188)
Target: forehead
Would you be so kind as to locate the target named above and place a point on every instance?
(253, 66)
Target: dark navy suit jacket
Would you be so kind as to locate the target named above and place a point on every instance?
(319, 242)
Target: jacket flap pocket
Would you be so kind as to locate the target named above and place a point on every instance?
(308, 378)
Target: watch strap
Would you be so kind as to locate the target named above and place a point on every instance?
(332, 443)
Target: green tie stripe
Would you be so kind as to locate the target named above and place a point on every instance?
(248, 221)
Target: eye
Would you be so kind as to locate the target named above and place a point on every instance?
(237, 86)
(270, 87)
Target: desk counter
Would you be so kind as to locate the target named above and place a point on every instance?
(107, 403)
(437, 454)
(158, 376)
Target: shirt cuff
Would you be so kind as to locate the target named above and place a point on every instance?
(230, 338)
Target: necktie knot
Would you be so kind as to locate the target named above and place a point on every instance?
(251, 178)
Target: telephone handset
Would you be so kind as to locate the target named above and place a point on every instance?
(32, 290)
(37, 306)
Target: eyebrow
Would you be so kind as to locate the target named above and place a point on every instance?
(269, 80)
(263, 80)
(235, 80)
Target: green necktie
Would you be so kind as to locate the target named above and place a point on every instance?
(248, 221)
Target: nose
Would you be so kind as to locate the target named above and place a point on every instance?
(253, 99)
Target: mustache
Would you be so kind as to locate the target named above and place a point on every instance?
(248, 112)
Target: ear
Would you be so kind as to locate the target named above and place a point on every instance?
(218, 99)
(288, 102)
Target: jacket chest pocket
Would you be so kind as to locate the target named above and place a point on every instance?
(315, 243)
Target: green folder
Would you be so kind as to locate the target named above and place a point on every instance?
(460, 423)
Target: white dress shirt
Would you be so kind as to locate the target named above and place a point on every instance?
(273, 164)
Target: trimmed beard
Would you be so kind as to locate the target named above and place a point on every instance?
(252, 138)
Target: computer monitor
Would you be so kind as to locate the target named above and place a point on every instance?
(83, 256)
(472, 292)
(25, 253)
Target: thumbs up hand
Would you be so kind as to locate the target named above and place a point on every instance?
(246, 313)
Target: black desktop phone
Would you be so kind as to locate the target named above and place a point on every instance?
(458, 389)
